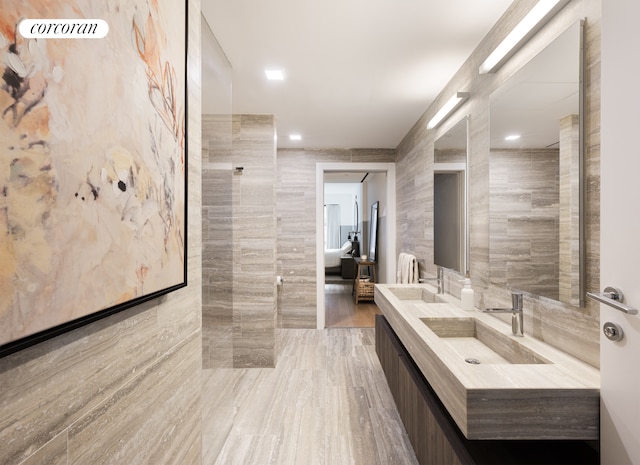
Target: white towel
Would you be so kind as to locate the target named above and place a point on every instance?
(400, 267)
(407, 269)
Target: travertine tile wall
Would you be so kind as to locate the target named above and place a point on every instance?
(571, 328)
(125, 389)
(524, 220)
(450, 156)
(296, 210)
(569, 256)
(217, 265)
(239, 245)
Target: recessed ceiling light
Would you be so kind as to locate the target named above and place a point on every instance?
(512, 137)
(274, 74)
(295, 137)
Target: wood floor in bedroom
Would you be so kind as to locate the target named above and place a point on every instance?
(343, 312)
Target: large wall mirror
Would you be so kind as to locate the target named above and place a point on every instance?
(450, 230)
(536, 238)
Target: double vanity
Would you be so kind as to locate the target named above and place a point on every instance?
(486, 391)
(520, 156)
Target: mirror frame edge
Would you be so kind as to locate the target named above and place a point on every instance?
(467, 236)
(582, 240)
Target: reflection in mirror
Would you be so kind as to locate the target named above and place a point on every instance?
(534, 176)
(450, 242)
(373, 232)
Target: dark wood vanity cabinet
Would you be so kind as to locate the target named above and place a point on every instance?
(431, 436)
(435, 437)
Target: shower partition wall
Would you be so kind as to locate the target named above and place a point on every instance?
(217, 265)
(217, 206)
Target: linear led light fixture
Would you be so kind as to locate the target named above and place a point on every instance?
(447, 108)
(534, 20)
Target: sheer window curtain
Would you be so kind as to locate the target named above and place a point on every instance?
(332, 226)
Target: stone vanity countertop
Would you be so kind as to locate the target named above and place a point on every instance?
(556, 398)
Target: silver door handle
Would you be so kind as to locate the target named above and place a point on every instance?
(613, 297)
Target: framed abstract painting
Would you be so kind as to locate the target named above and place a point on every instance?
(93, 162)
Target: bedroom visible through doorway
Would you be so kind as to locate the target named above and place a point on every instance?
(380, 180)
(346, 236)
(343, 312)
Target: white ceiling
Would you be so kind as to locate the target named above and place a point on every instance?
(345, 177)
(359, 73)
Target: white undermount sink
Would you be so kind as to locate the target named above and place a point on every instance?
(495, 385)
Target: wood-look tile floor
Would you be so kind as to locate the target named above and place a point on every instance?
(341, 311)
(326, 403)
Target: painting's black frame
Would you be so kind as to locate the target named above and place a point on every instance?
(33, 339)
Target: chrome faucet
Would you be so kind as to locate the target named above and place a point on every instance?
(517, 323)
(438, 279)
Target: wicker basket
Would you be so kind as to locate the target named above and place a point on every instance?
(365, 289)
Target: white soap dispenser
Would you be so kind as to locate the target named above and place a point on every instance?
(466, 296)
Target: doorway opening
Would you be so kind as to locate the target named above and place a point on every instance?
(335, 286)
(346, 195)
